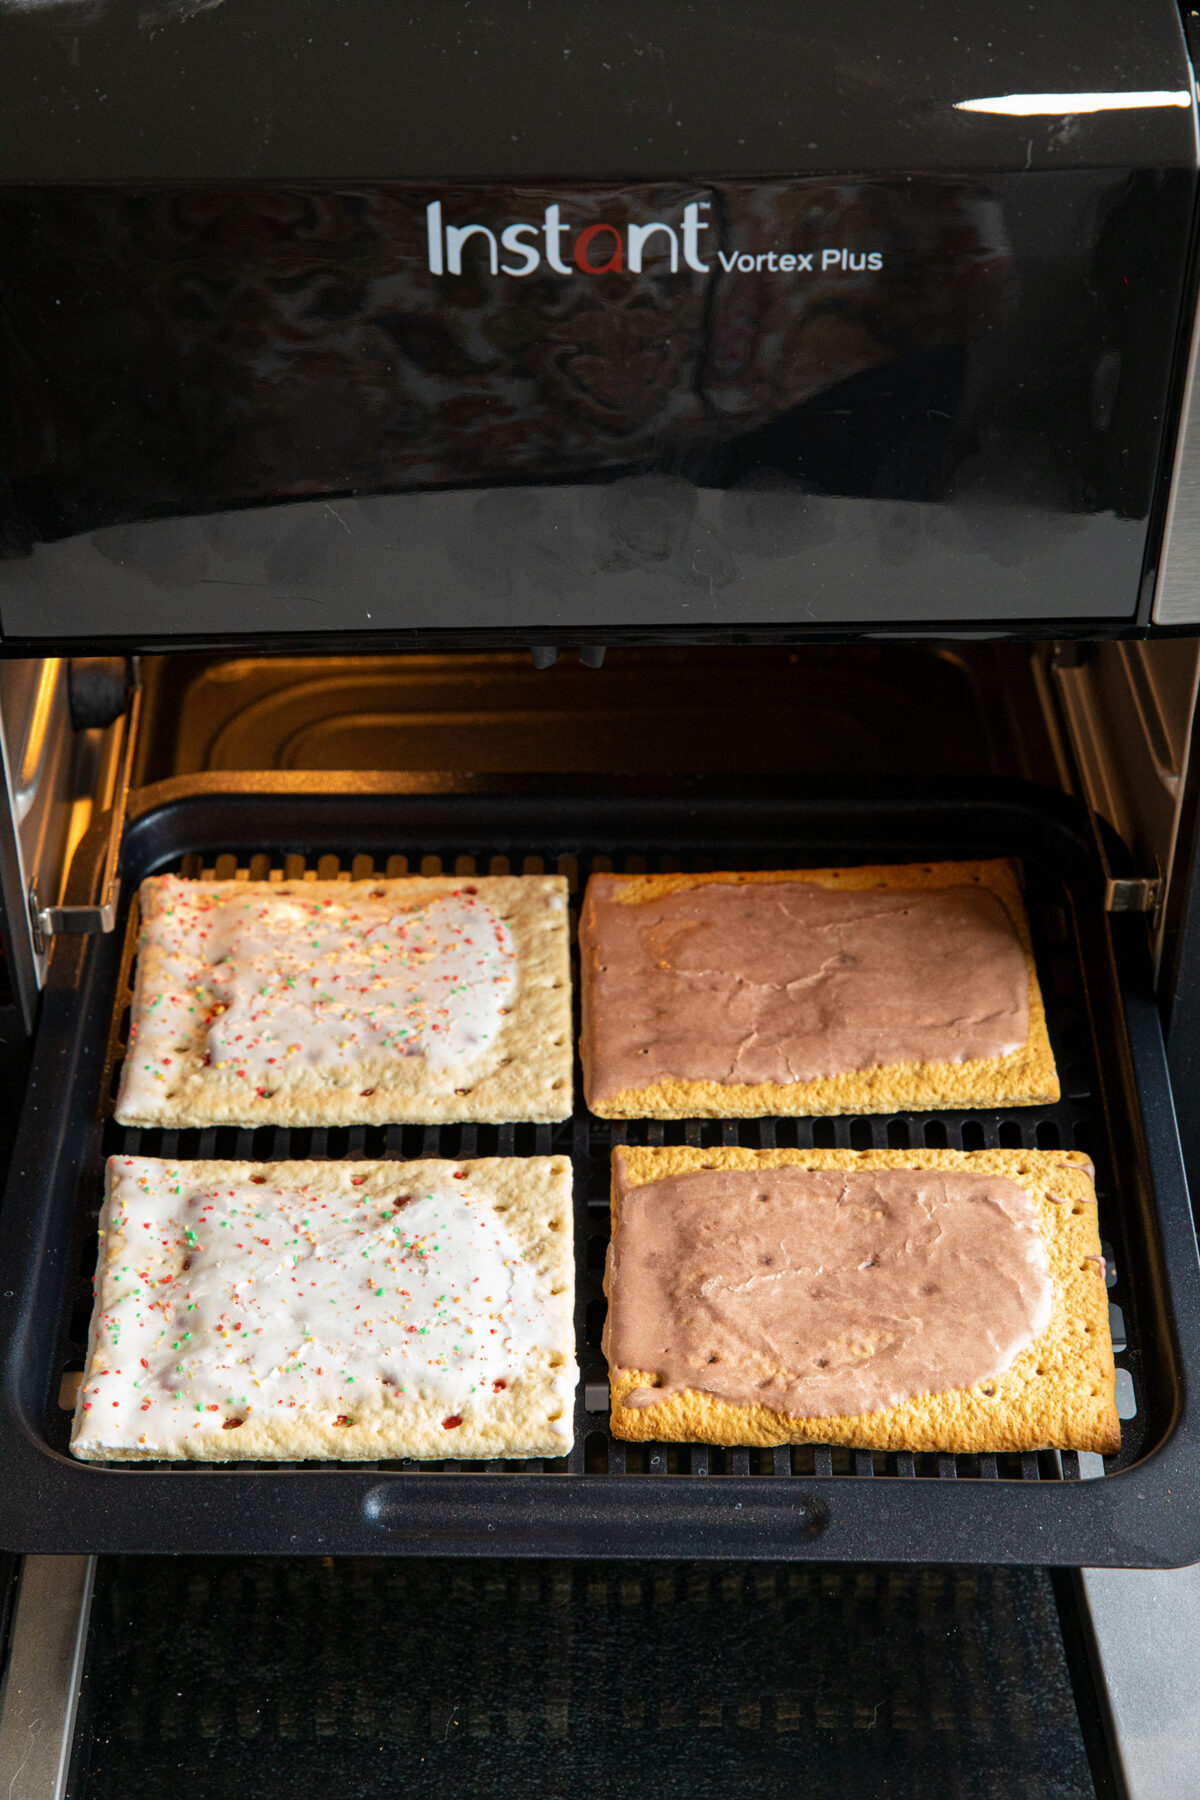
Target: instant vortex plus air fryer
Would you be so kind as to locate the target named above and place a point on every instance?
(568, 437)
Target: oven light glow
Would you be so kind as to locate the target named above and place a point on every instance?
(1028, 106)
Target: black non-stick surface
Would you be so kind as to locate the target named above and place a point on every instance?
(510, 1681)
(606, 1495)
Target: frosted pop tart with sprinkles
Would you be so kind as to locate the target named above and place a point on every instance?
(340, 1311)
(315, 1003)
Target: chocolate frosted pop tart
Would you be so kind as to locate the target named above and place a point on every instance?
(882, 1299)
(854, 990)
(349, 1003)
(349, 1311)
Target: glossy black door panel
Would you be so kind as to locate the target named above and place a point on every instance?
(713, 386)
(136, 91)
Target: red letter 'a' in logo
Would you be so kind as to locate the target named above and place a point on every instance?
(615, 261)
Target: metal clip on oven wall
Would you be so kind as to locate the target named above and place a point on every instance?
(1140, 894)
(49, 921)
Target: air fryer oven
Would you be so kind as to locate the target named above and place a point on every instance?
(577, 438)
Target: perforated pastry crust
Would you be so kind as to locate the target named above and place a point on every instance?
(1027, 1077)
(1059, 1394)
(143, 1247)
(525, 1075)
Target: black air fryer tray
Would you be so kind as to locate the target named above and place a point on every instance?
(607, 1498)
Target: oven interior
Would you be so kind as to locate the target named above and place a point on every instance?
(684, 1635)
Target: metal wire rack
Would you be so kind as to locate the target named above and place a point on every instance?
(589, 1141)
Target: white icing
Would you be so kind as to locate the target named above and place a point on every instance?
(285, 978)
(236, 1299)
(328, 981)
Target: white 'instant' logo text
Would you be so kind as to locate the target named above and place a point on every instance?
(620, 248)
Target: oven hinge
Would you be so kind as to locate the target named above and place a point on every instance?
(1137, 893)
(101, 915)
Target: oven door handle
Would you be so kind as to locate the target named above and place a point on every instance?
(48, 921)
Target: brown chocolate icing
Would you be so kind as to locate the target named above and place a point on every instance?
(822, 1292)
(789, 981)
